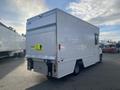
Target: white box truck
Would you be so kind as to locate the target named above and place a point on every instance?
(58, 44)
(11, 43)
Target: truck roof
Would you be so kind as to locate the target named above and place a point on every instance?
(54, 11)
(9, 28)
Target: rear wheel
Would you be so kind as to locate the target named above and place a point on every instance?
(78, 67)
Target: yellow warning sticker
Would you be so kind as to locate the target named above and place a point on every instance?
(38, 47)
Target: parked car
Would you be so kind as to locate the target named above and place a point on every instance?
(110, 49)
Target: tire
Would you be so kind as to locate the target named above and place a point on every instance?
(78, 68)
(20, 55)
(15, 55)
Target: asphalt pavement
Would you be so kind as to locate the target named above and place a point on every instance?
(103, 76)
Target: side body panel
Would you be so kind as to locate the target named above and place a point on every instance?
(77, 41)
(10, 40)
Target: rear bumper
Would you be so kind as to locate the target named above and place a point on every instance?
(41, 57)
(46, 67)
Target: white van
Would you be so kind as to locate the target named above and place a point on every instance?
(58, 44)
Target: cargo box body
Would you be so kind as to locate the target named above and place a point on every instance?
(61, 39)
(10, 41)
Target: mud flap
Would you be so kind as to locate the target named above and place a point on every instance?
(29, 64)
(49, 64)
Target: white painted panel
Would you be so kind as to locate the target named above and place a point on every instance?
(47, 38)
(41, 21)
(10, 40)
(77, 39)
(65, 68)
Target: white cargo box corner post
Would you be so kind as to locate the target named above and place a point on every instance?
(58, 44)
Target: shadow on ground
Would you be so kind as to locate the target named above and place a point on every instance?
(7, 65)
(103, 76)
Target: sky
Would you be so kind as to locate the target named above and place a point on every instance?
(103, 13)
